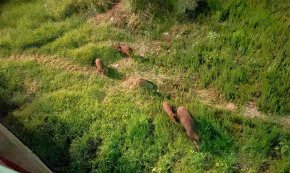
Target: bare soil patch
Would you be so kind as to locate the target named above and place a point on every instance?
(285, 120)
(214, 98)
(251, 111)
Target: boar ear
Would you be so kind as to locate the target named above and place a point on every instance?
(119, 45)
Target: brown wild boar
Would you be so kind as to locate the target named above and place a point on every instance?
(168, 109)
(189, 125)
(124, 49)
(100, 66)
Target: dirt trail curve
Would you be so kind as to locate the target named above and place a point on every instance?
(55, 62)
(11, 148)
(213, 98)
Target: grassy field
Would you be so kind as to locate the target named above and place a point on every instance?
(79, 121)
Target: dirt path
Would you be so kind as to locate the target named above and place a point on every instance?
(213, 98)
(13, 149)
(55, 62)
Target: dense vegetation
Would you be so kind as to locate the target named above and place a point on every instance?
(85, 123)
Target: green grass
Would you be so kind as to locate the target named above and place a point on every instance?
(246, 57)
(89, 123)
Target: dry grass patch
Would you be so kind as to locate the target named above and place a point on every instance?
(123, 64)
(55, 62)
(117, 15)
